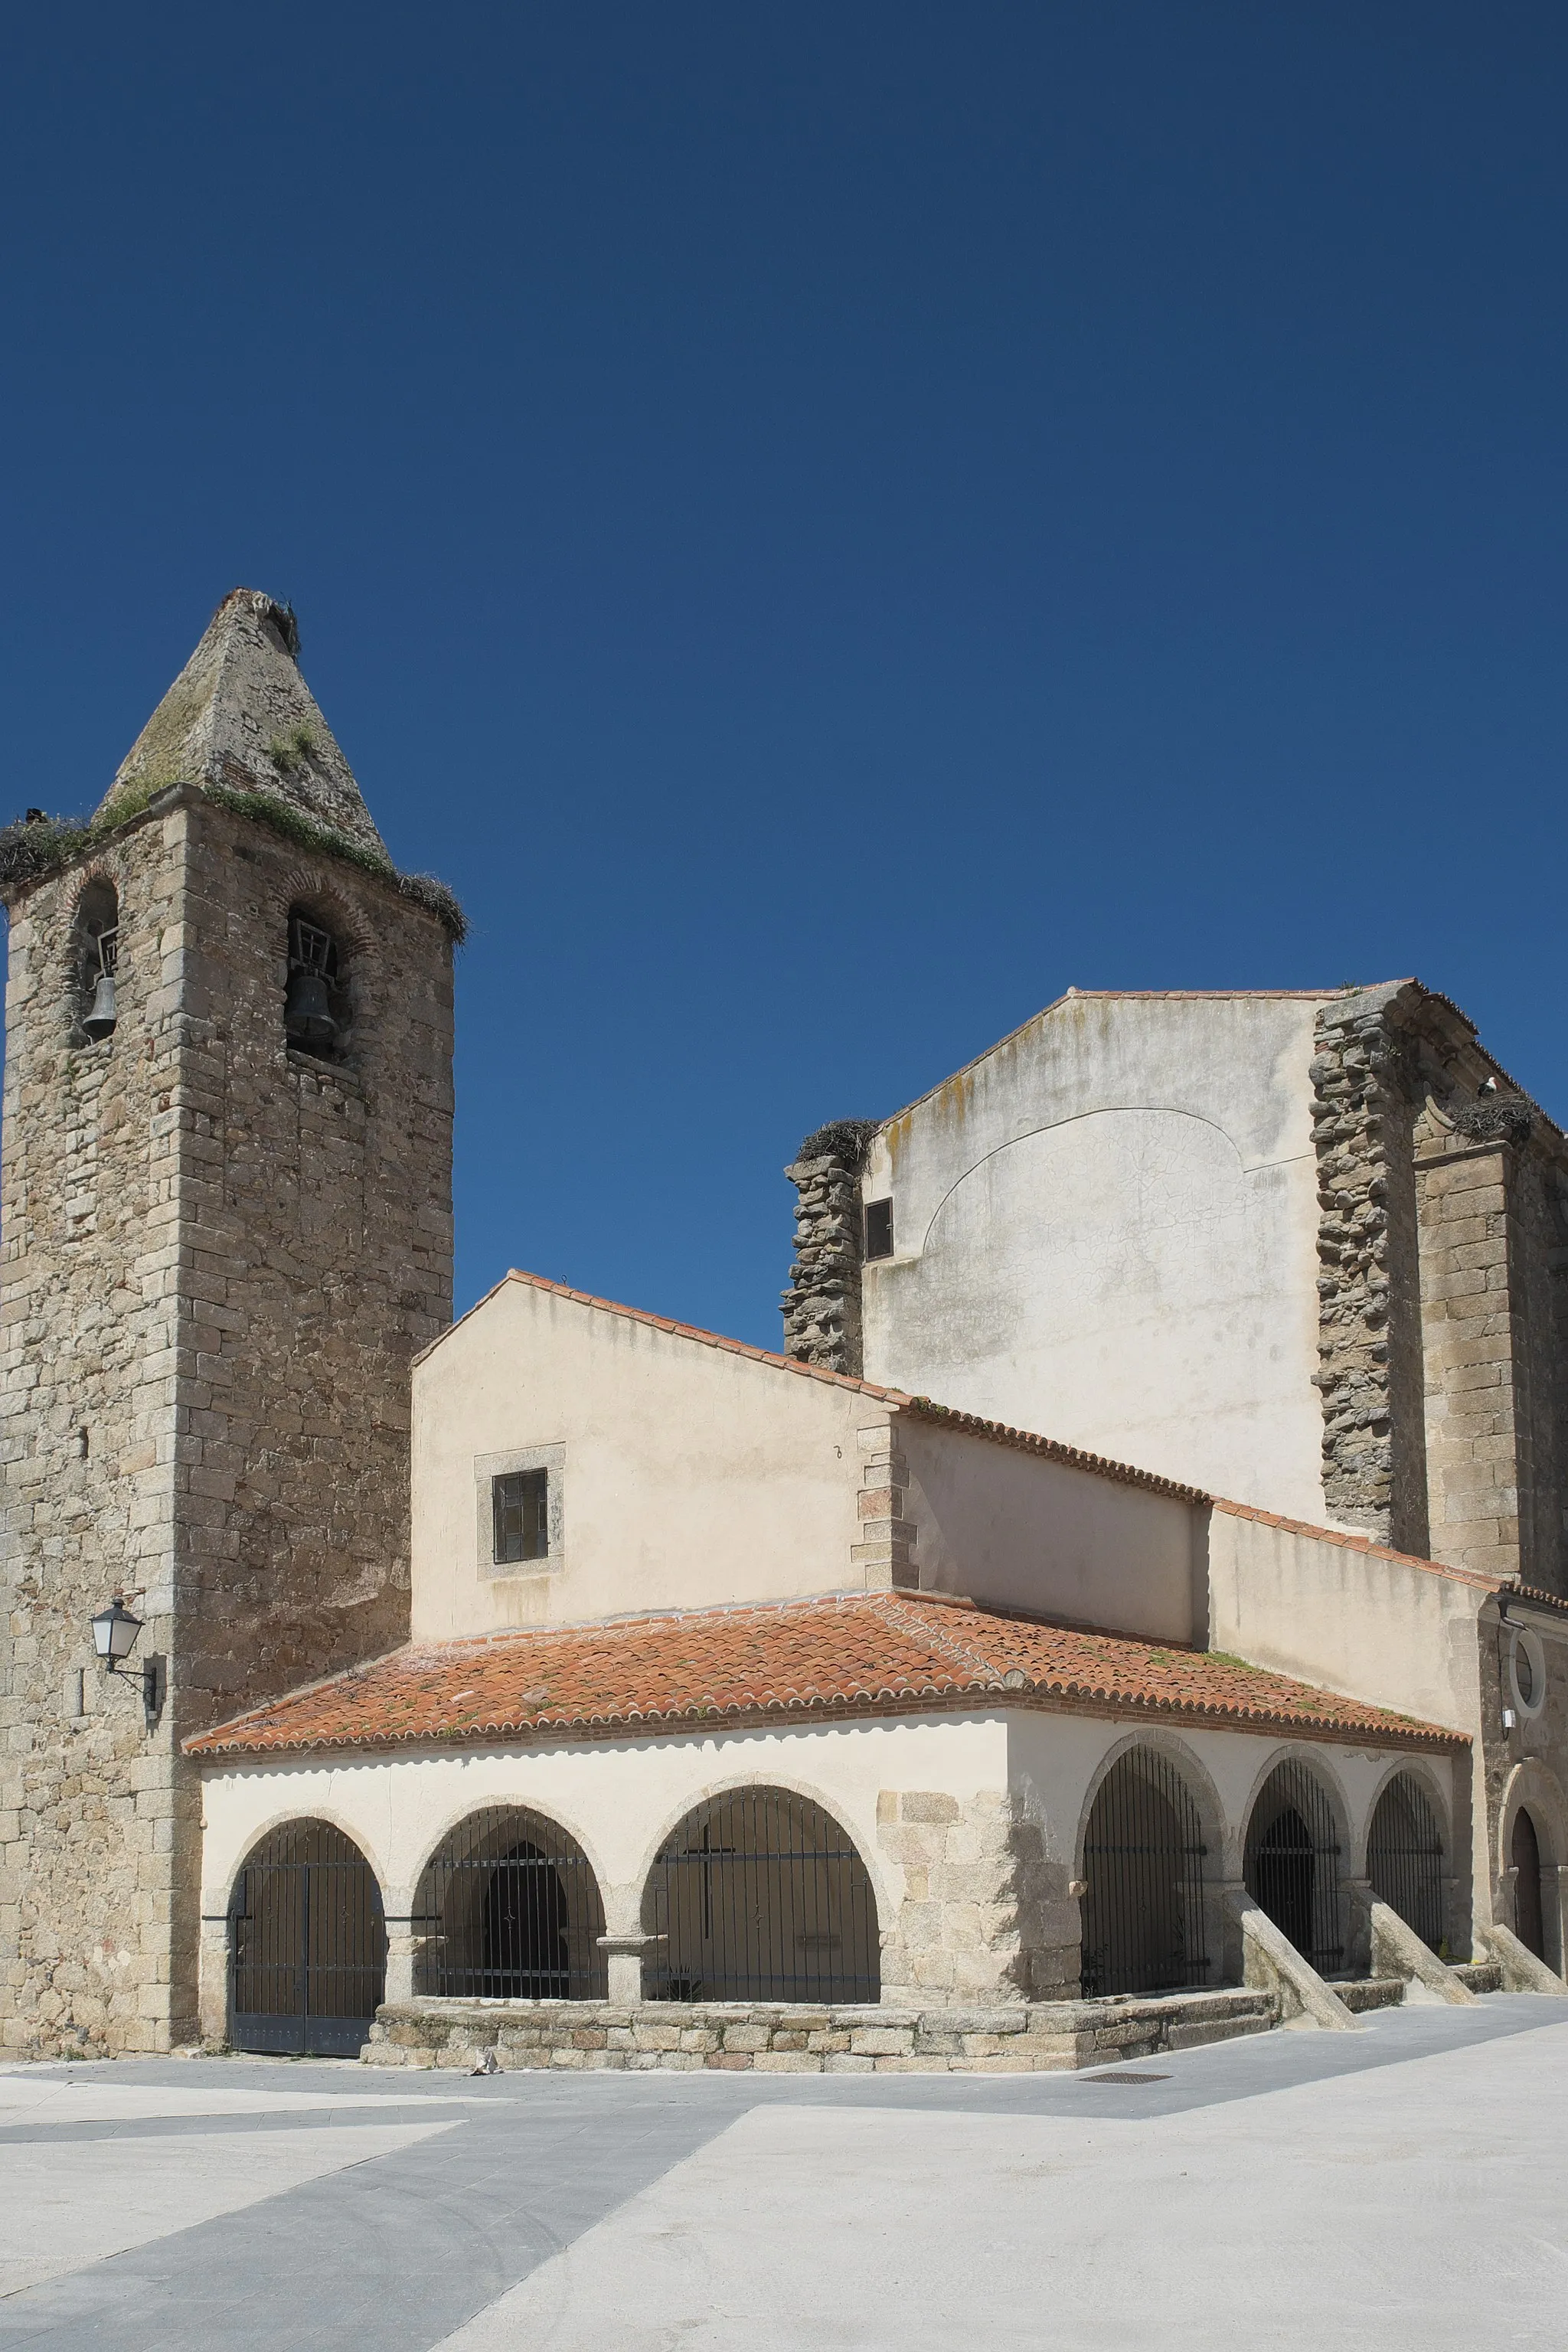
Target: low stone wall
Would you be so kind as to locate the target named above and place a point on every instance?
(1022, 2037)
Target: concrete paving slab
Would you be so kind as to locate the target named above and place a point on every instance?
(1424, 2204)
(401, 2253)
(64, 2207)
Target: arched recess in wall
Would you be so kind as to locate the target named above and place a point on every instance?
(1405, 1858)
(1145, 1866)
(319, 995)
(94, 961)
(508, 1908)
(307, 1944)
(1529, 1905)
(760, 1895)
(1095, 1276)
(1293, 1863)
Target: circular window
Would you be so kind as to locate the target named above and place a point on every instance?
(1527, 1671)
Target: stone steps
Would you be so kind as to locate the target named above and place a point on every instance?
(1361, 1994)
(1481, 1976)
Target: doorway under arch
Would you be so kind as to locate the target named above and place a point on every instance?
(1143, 1854)
(761, 1896)
(1529, 1912)
(508, 1909)
(307, 1944)
(1404, 1858)
(1293, 1866)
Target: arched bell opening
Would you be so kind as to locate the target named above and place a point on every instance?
(1529, 1909)
(1404, 1858)
(307, 1944)
(761, 1896)
(1293, 1864)
(508, 1909)
(95, 957)
(317, 1003)
(1144, 1856)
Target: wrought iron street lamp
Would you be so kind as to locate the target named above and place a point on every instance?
(114, 1632)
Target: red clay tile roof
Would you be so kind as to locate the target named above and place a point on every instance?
(1000, 1432)
(1349, 1542)
(854, 1653)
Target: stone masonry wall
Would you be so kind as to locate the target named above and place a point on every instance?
(596, 2037)
(1368, 1345)
(822, 1304)
(219, 1260)
(984, 1915)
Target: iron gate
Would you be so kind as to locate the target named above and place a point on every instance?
(1292, 1865)
(508, 1909)
(1404, 1858)
(1143, 1853)
(762, 1896)
(307, 1944)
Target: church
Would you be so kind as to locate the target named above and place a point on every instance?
(1128, 1609)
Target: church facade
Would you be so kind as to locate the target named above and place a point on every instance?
(1137, 1581)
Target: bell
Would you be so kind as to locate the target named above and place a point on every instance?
(100, 1022)
(307, 1017)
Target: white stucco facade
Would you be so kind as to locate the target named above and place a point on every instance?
(1105, 1229)
(971, 1825)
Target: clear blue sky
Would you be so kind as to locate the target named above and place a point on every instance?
(826, 525)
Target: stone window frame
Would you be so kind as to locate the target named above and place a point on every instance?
(488, 1467)
(1525, 1639)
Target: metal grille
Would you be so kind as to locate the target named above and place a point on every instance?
(307, 1944)
(1292, 1865)
(1143, 1871)
(1404, 1858)
(762, 1896)
(508, 1909)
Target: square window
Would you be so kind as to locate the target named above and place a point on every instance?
(520, 1506)
(879, 1229)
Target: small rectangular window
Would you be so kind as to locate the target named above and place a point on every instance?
(879, 1229)
(521, 1507)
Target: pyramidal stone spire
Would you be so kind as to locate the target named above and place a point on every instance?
(240, 716)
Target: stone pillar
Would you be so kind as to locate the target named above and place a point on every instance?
(1473, 1358)
(623, 1955)
(213, 1991)
(822, 1304)
(403, 1948)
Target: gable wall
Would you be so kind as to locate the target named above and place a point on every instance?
(1107, 1230)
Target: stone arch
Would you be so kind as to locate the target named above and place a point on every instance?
(794, 1784)
(1535, 1791)
(307, 1960)
(1295, 1854)
(329, 965)
(759, 1894)
(220, 1887)
(1438, 1795)
(92, 958)
(1185, 1759)
(508, 1907)
(1408, 1850)
(1149, 1855)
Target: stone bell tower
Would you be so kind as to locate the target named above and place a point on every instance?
(226, 1228)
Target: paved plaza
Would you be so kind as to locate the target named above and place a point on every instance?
(1407, 2186)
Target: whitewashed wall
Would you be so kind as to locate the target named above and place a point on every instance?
(1106, 1230)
